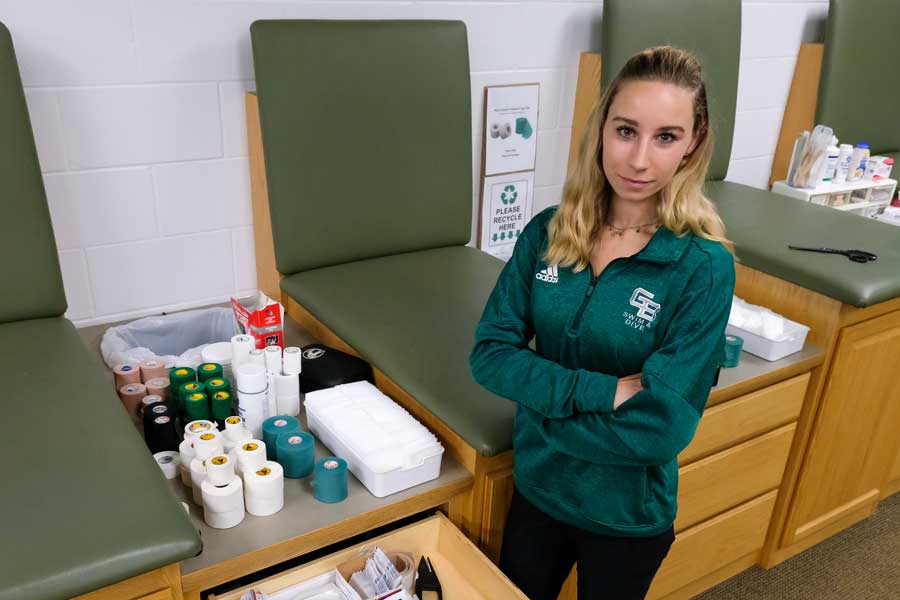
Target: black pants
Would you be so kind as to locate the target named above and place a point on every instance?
(539, 551)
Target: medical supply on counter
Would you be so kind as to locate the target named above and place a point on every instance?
(251, 455)
(159, 386)
(198, 475)
(208, 444)
(177, 378)
(218, 384)
(151, 369)
(253, 395)
(219, 353)
(235, 432)
(223, 506)
(845, 152)
(733, 345)
(287, 394)
(169, 463)
(264, 489)
(196, 406)
(159, 428)
(241, 345)
(427, 580)
(832, 156)
(274, 427)
(219, 470)
(330, 479)
(194, 428)
(765, 333)
(209, 370)
(295, 452)
(373, 574)
(221, 407)
(291, 363)
(187, 454)
(809, 157)
(131, 396)
(147, 401)
(257, 357)
(126, 373)
(385, 447)
(325, 367)
(859, 256)
(858, 162)
(272, 356)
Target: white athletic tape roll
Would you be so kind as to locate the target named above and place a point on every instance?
(271, 402)
(241, 345)
(251, 455)
(185, 470)
(219, 470)
(251, 378)
(223, 498)
(208, 444)
(273, 359)
(195, 428)
(224, 520)
(168, 461)
(288, 405)
(257, 357)
(290, 361)
(244, 435)
(233, 425)
(287, 395)
(264, 490)
(198, 476)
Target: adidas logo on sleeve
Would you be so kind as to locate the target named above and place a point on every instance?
(550, 274)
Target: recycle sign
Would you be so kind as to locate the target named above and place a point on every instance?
(509, 194)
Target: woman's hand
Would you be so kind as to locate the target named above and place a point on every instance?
(626, 388)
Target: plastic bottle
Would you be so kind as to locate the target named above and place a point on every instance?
(858, 162)
(840, 176)
(832, 154)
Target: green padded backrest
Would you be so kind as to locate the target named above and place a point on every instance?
(29, 266)
(859, 89)
(711, 29)
(367, 130)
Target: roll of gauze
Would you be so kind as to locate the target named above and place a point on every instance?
(219, 470)
(251, 455)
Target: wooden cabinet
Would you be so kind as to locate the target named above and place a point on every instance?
(853, 450)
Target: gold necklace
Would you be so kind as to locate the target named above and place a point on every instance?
(619, 232)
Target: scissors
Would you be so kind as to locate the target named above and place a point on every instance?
(860, 256)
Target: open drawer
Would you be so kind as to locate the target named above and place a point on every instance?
(465, 573)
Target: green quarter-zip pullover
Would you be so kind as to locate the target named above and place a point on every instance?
(661, 312)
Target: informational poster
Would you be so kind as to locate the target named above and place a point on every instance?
(510, 128)
(505, 210)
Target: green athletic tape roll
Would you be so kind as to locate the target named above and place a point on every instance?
(217, 384)
(274, 427)
(208, 371)
(179, 376)
(190, 387)
(221, 404)
(196, 406)
(733, 345)
(295, 452)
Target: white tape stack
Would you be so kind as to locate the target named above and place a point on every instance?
(253, 396)
(208, 444)
(241, 345)
(219, 470)
(223, 506)
(193, 429)
(235, 433)
(198, 476)
(169, 462)
(273, 359)
(257, 357)
(287, 395)
(264, 489)
(251, 456)
(186, 451)
(291, 362)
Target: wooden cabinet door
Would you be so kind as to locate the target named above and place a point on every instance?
(854, 444)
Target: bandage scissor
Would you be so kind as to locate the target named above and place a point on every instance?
(860, 256)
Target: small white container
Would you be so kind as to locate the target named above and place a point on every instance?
(769, 349)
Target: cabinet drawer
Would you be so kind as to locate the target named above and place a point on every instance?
(714, 544)
(895, 470)
(465, 573)
(716, 483)
(745, 417)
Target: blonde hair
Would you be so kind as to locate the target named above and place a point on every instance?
(682, 207)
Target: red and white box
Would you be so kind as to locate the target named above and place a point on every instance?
(262, 318)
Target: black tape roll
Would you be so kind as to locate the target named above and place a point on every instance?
(160, 432)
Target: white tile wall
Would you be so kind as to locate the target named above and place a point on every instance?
(138, 114)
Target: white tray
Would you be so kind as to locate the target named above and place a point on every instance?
(768, 349)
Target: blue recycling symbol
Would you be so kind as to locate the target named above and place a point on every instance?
(509, 194)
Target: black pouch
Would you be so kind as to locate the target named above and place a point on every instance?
(325, 367)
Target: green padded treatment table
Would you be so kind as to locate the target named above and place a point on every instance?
(413, 316)
(858, 93)
(762, 224)
(84, 503)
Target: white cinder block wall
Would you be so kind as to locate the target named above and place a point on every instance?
(137, 109)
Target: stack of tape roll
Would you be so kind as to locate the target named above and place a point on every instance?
(223, 506)
(195, 428)
(159, 386)
(264, 489)
(209, 370)
(273, 359)
(151, 369)
(274, 427)
(196, 405)
(253, 396)
(218, 384)
(148, 400)
(241, 345)
(235, 433)
(198, 475)
(126, 373)
(251, 455)
(221, 353)
(219, 470)
(169, 462)
(287, 394)
(131, 395)
(291, 362)
(208, 444)
(221, 406)
(177, 378)
(187, 454)
(295, 451)
(159, 428)
(257, 357)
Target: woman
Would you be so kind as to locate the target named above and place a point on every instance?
(626, 288)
